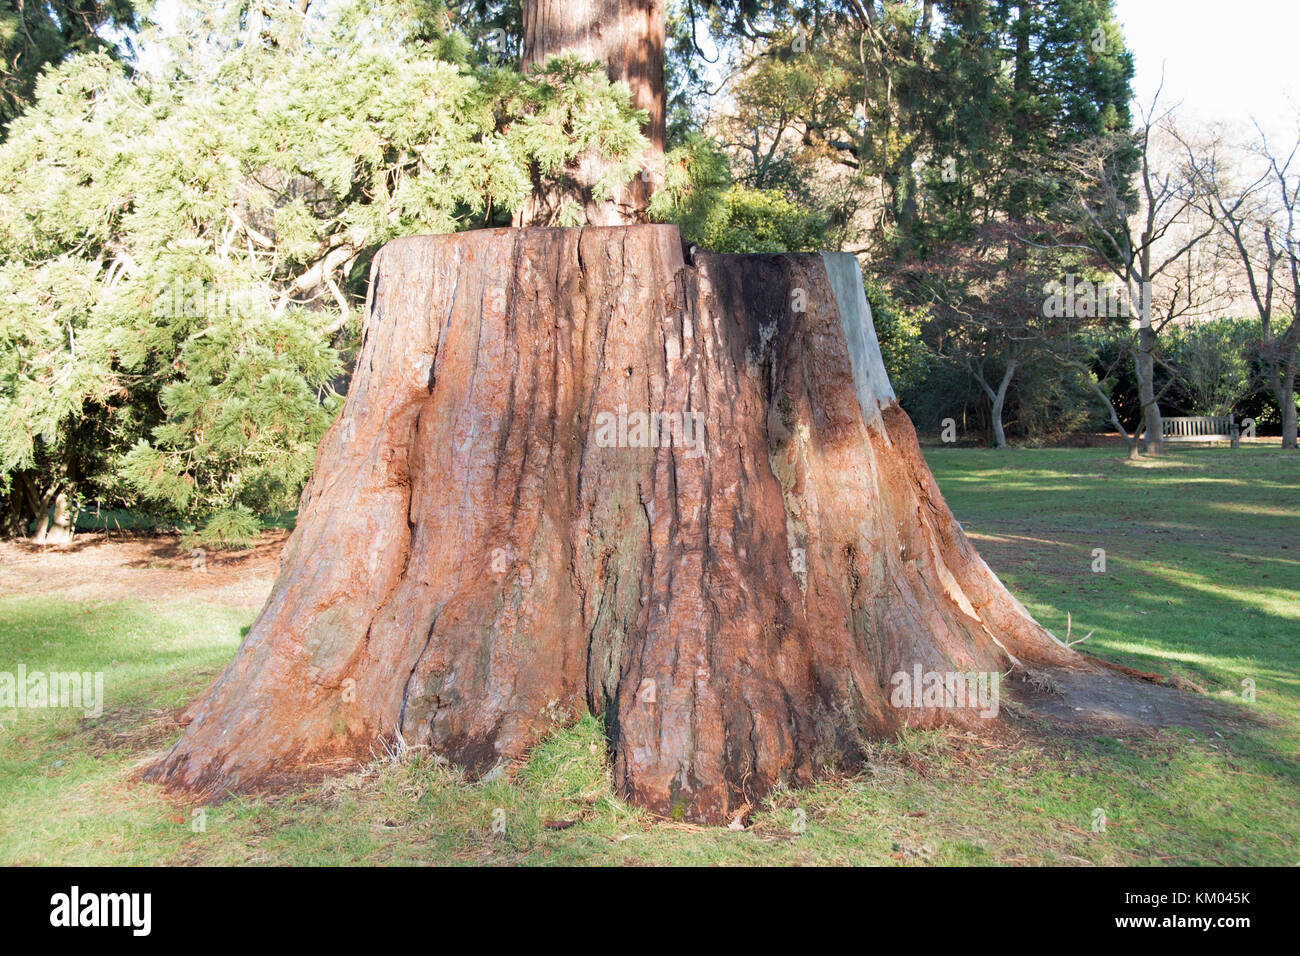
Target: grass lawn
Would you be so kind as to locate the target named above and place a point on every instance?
(1202, 579)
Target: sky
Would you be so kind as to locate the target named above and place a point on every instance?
(1223, 60)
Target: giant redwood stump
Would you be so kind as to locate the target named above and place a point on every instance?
(576, 471)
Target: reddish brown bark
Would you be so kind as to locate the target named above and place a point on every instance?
(472, 562)
(628, 37)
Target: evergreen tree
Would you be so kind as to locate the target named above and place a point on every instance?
(185, 254)
(945, 113)
(38, 33)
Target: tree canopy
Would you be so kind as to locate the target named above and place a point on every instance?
(188, 215)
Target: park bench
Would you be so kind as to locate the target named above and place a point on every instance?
(1201, 428)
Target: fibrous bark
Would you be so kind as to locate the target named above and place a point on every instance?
(490, 542)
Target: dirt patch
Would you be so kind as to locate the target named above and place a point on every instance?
(1089, 702)
(151, 569)
(130, 731)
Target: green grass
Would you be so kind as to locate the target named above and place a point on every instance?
(1197, 583)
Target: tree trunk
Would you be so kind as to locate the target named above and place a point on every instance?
(40, 504)
(1130, 440)
(496, 538)
(628, 37)
(1022, 30)
(999, 434)
(999, 403)
(60, 530)
(1153, 438)
(31, 507)
(1284, 393)
(997, 399)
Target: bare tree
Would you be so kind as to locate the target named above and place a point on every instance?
(1142, 228)
(1262, 223)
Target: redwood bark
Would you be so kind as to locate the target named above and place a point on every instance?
(627, 36)
(475, 559)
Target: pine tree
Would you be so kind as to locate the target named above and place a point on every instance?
(36, 35)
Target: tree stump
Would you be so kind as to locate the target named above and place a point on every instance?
(576, 471)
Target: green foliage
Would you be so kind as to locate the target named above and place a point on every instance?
(720, 215)
(1050, 401)
(932, 119)
(34, 35)
(908, 359)
(741, 219)
(1211, 363)
(185, 253)
(695, 174)
(564, 110)
(236, 526)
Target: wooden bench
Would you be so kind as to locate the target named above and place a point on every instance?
(1200, 428)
